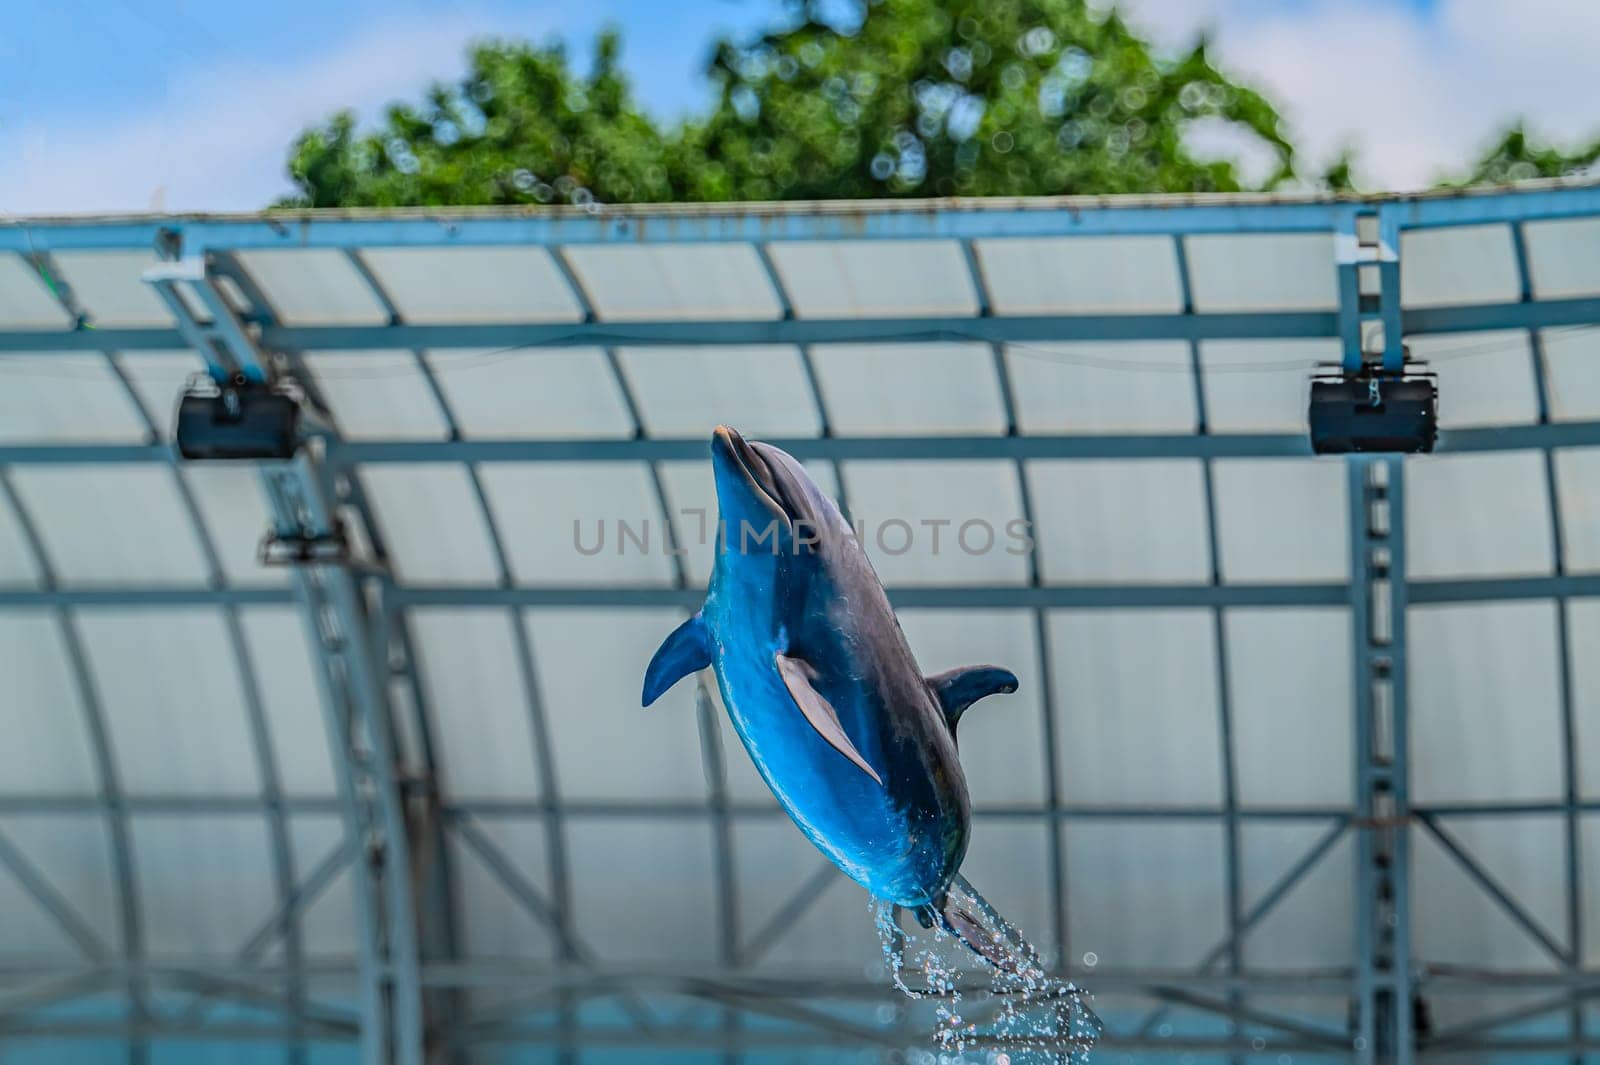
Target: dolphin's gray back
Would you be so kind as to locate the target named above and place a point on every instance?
(848, 608)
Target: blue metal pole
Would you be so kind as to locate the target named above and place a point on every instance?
(1383, 1032)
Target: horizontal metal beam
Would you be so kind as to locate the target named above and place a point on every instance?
(1520, 437)
(995, 329)
(1503, 809)
(754, 1039)
(52, 453)
(1061, 597)
(234, 805)
(219, 804)
(1469, 979)
(1561, 198)
(764, 1041)
(680, 1038)
(1023, 447)
(214, 1031)
(992, 596)
(144, 596)
(1487, 589)
(1532, 314)
(824, 982)
(777, 222)
(667, 808)
(809, 331)
(195, 805)
(809, 982)
(838, 448)
(687, 224)
(1021, 597)
(792, 331)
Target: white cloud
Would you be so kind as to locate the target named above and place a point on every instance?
(1419, 93)
(221, 141)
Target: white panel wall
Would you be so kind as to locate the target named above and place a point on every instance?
(1002, 737)
(1485, 702)
(482, 725)
(590, 665)
(910, 389)
(1137, 719)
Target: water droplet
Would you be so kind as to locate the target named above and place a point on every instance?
(1033, 1010)
(1090, 959)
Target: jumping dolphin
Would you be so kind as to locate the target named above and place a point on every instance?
(858, 746)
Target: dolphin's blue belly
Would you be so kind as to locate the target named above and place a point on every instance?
(890, 844)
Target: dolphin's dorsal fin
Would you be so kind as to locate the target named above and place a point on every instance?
(687, 650)
(797, 674)
(957, 689)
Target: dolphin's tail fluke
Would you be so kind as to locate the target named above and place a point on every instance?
(968, 916)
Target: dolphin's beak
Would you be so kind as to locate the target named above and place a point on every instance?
(740, 468)
(727, 446)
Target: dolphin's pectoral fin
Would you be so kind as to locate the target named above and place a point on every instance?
(957, 689)
(686, 651)
(796, 674)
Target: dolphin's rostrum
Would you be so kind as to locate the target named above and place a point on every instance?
(858, 746)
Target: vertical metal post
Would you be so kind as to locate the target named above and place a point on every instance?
(356, 702)
(1349, 253)
(1383, 994)
(434, 873)
(1387, 254)
(304, 500)
(1367, 262)
(1383, 1006)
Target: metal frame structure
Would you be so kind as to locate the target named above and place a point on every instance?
(416, 985)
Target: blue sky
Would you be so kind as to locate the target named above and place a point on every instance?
(182, 104)
(131, 54)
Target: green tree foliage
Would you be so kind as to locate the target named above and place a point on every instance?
(1338, 175)
(969, 97)
(913, 98)
(521, 127)
(1517, 157)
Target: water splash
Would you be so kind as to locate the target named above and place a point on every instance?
(1012, 1014)
(937, 973)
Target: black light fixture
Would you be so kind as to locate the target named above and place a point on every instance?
(1374, 410)
(237, 419)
